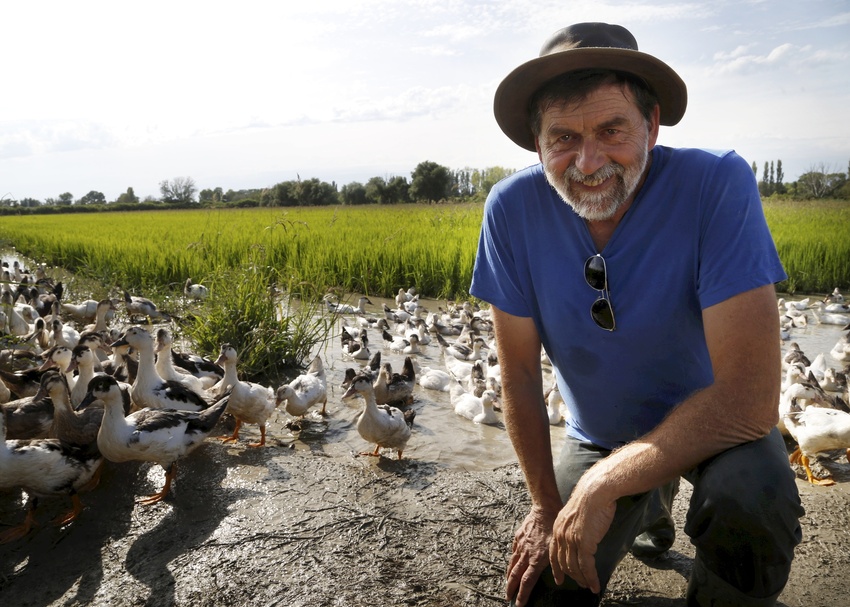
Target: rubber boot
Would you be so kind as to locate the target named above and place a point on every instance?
(659, 530)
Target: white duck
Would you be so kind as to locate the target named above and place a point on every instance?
(104, 312)
(341, 308)
(307, 390)
(555, 407)
(83, 312)
(194, 290)
(144, 307)
(152, 435)
(799, 396)
(841, 350)
(385, 426)
(82, 361)
(165, 364)
(44, 467)
(816, 430)
(249, 402)
(479, 409)
(149, 389)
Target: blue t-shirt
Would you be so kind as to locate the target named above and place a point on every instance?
(694, 236)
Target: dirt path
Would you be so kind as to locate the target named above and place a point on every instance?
(292, 527)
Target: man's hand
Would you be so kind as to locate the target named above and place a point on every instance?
(530, 555)
(578, 529)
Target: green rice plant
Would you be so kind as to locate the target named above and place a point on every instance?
(813, 241)
(271, 331)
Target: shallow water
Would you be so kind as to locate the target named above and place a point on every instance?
(440, 436)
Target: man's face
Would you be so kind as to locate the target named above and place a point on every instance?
(595, 153)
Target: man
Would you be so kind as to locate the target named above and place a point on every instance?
(647, 275)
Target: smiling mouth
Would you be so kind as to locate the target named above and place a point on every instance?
(592, 183)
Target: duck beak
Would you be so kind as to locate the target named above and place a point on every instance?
(350, 392)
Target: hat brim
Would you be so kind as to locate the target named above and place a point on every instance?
(514, 93)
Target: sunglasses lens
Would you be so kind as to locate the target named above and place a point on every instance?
(594, 272)
(602, 314)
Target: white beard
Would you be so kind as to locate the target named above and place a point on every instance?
(602, 205)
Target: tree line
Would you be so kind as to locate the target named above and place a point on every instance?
(429, 182)
(820, 181)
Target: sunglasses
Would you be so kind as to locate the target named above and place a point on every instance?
(596, 276)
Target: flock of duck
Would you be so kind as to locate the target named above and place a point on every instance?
(813, 404)
(78, 387)
(83, 382)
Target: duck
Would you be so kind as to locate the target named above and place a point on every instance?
(409, 345)
(164, 364)
(433, 379)
(123, 364)
(555, 406)
(162, 436)
(82, 361)
(802, 395)
(370, 369)
(62, 334)
(307, 390)
(834, 297)
(77, 428)
(249, 402)
(44, 467)
(23, 383)
(194, 290)
(340, 308)
(84, 312)
(841, 350)
(104, 311)
(839, 316)
(357, 349)
(461, 351)
(395, 388)
(200, 366)
(817, 429)
(385, 426)
(795, 355)
(477, 408)
(15, 323)
(144, 307)
(149, 390)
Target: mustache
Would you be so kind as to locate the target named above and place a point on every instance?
(601, 174)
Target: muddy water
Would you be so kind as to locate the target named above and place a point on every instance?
(440, 436)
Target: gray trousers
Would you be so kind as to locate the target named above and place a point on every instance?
(743, 520)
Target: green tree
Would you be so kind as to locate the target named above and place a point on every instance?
(353, 193)
(178, 190)
(430, 181)
(93, 197)
(65, 198)
(313, 192)
(755, 169)
(128, 197)
(780, 178)
(29, 202)
(819, 182)
(398, 190)
(376, 191)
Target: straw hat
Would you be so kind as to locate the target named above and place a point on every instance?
(585, 46)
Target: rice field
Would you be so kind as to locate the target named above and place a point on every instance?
(366, 250)
(371, 250)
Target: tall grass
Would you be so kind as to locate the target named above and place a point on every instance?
(371, 250)
(813, 241)
(367, 250)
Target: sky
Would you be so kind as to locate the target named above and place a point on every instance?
(103, 95)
